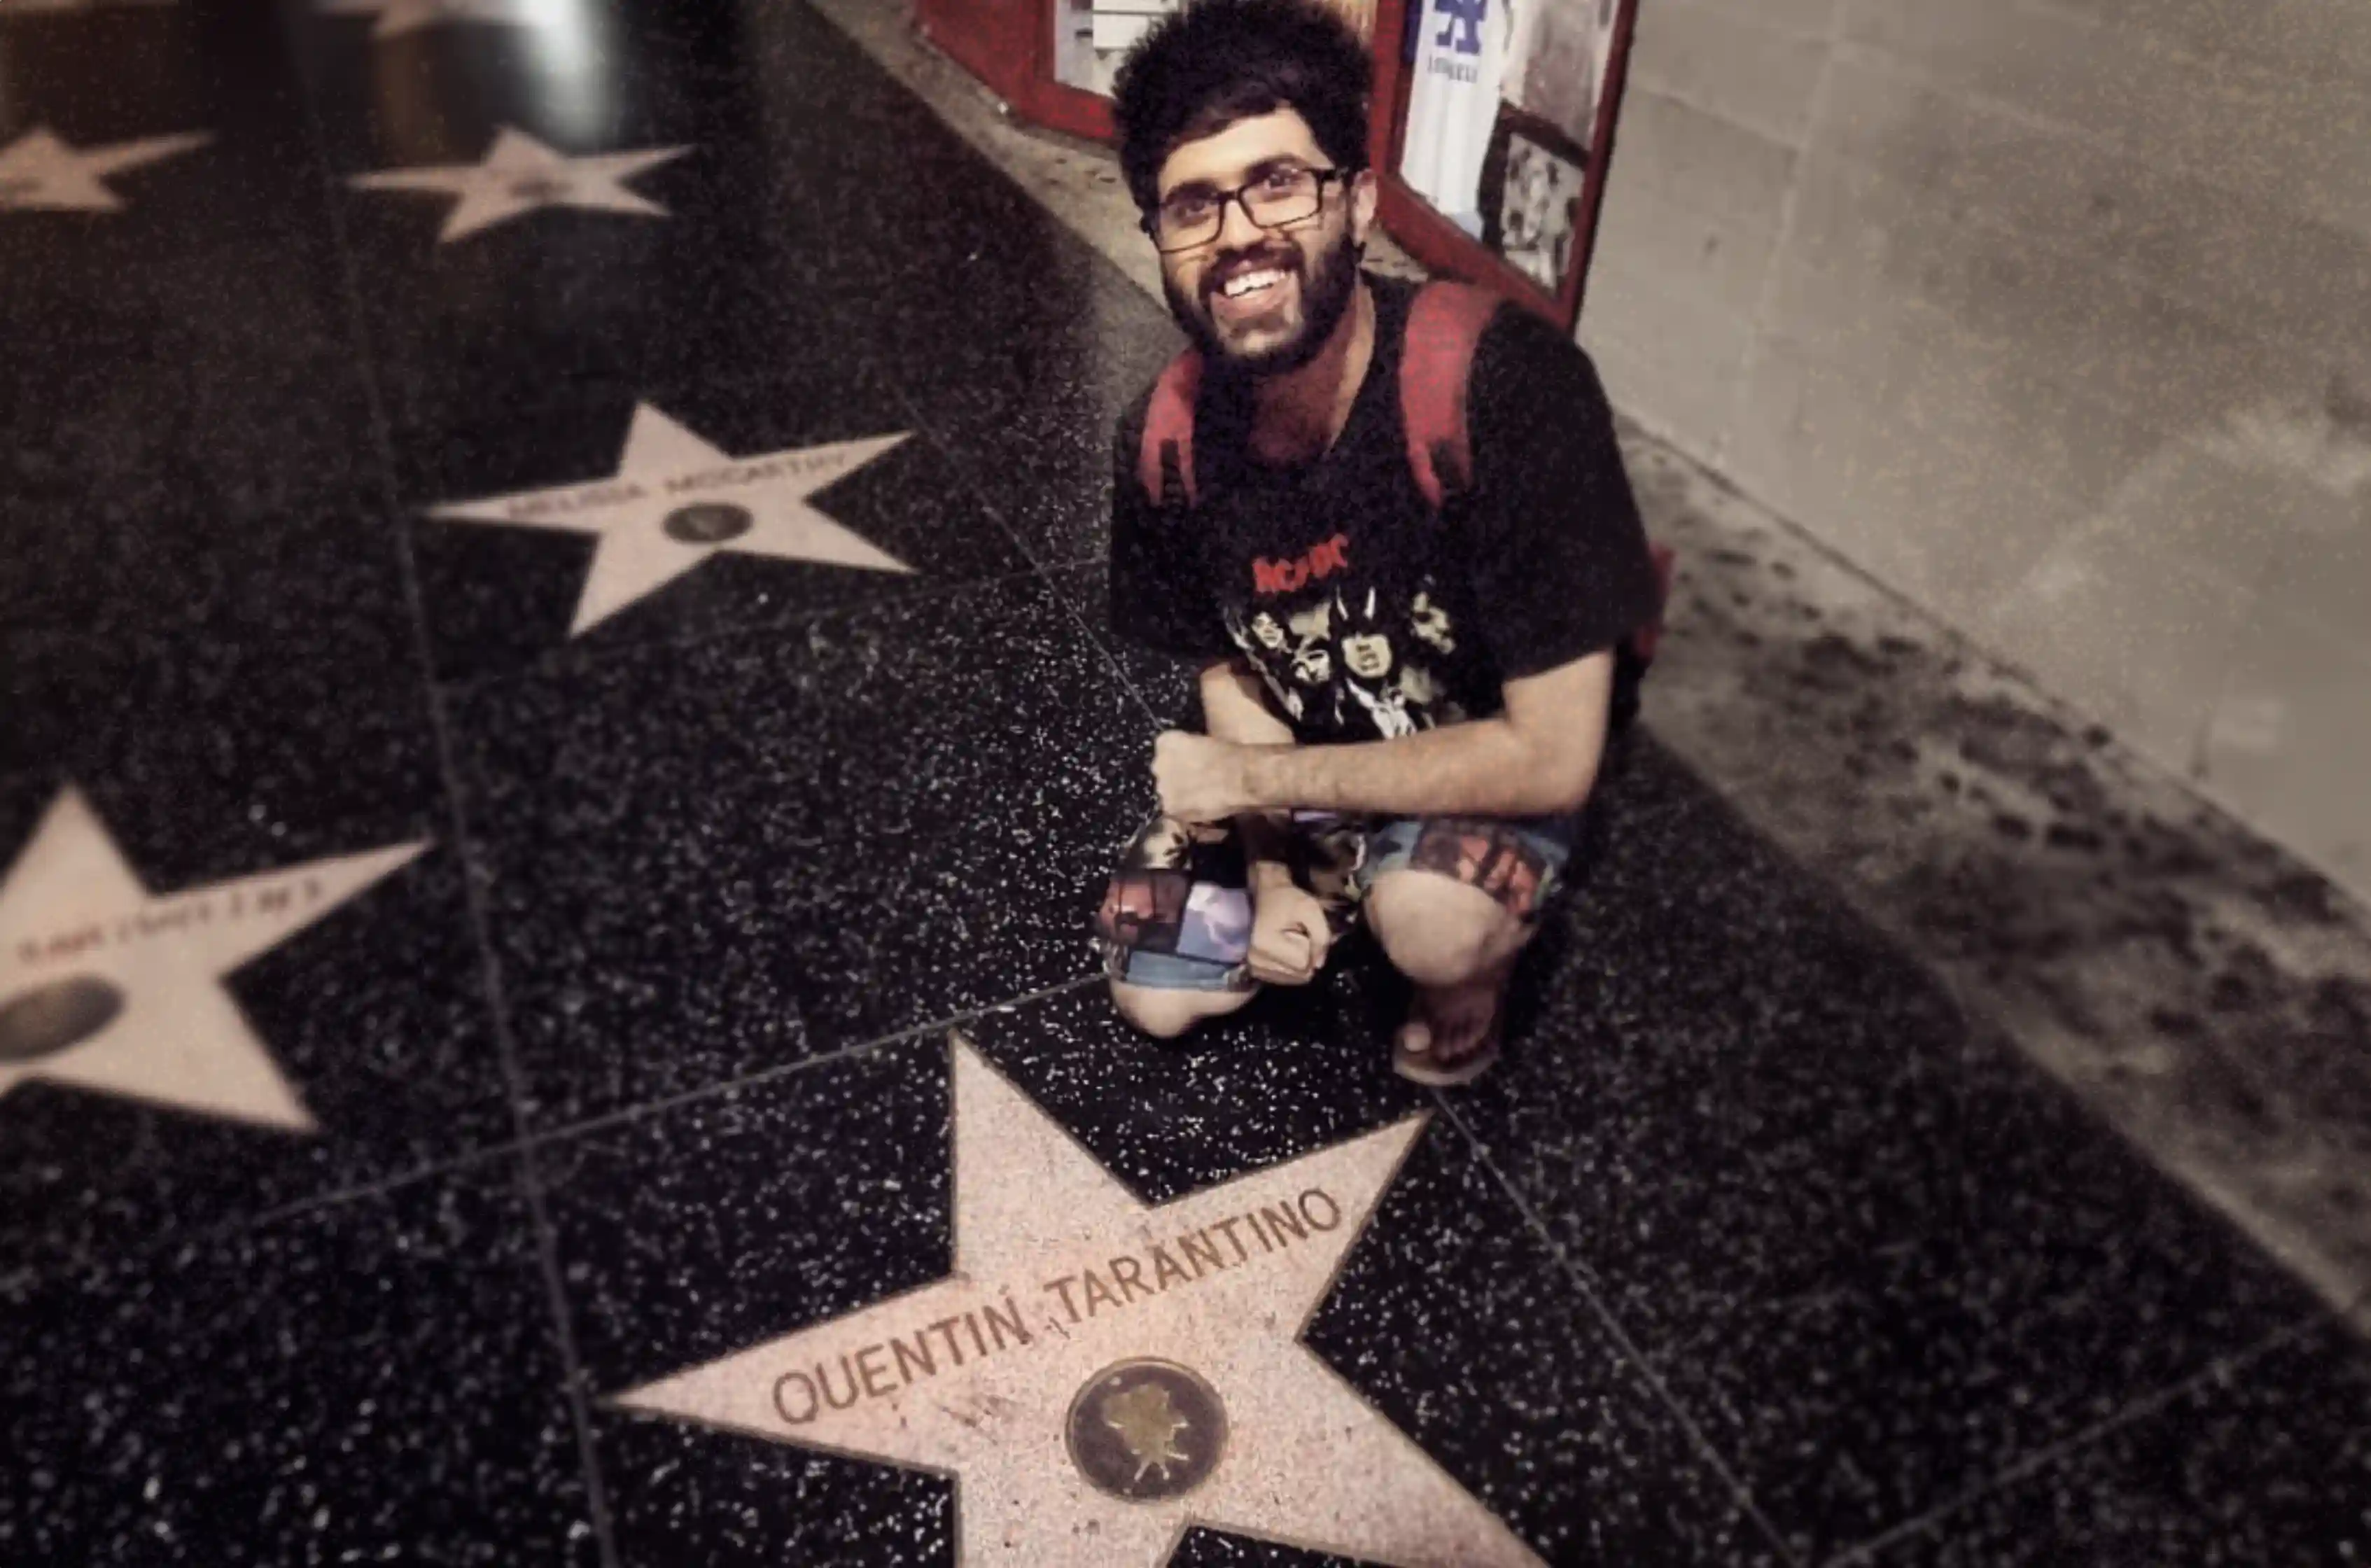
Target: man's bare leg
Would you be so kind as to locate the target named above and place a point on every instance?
(1168, 1015)
(1459, 945)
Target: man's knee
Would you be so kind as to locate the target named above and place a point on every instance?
(1165, 1014)
(1437, 931)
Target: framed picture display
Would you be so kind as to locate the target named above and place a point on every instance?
(1493, 128)
(1532, 182)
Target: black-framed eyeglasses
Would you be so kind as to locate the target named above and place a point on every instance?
(1276, 197)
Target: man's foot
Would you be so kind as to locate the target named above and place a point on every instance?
(1454, 1032)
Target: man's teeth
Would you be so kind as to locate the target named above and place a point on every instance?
(1242, 283)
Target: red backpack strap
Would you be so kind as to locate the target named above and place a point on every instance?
(1169, 429)
(1444, 324)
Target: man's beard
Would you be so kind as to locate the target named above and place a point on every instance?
(1325, 290)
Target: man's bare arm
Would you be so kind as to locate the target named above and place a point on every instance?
(1538, 757)
(1237, 709)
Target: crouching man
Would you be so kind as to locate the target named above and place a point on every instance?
(1392, 528)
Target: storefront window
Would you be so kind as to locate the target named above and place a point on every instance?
(1502, 106)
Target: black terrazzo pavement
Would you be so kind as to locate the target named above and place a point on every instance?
(711, 858)
(2283, 1430)
(1755, 1250)
(373, 1381)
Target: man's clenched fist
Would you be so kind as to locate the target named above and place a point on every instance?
(1200, 779)
(1290, 935)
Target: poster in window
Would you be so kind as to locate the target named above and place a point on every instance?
(1461, 51)
(1531, 180)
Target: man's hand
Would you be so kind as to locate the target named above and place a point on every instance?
(1290, 935)
(1200, 779)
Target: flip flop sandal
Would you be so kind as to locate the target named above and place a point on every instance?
(1417, 1067)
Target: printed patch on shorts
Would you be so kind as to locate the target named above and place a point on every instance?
(1218, 925)
(1165, 843)
(1145, 910)
(1489, 855)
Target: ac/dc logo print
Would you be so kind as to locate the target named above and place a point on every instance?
(1322, 561)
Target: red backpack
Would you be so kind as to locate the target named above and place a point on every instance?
(1444, 325)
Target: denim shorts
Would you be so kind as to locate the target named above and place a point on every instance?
(1177, 915)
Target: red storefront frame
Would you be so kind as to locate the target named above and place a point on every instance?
(1009, 45)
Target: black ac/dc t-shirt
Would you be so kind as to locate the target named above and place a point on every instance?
(1366, 617)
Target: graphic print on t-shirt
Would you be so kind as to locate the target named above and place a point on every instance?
(1318, 562)
(1358, 659)
(1369, 612)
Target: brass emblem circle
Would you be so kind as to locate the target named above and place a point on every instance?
(708, 523)
(539, 187)
(1146, 1431)
(48, 1019)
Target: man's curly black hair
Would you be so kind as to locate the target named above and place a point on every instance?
(1215, 62)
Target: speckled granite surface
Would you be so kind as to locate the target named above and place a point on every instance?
(1769, 1242)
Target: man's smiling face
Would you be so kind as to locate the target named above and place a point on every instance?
(1263, 301)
